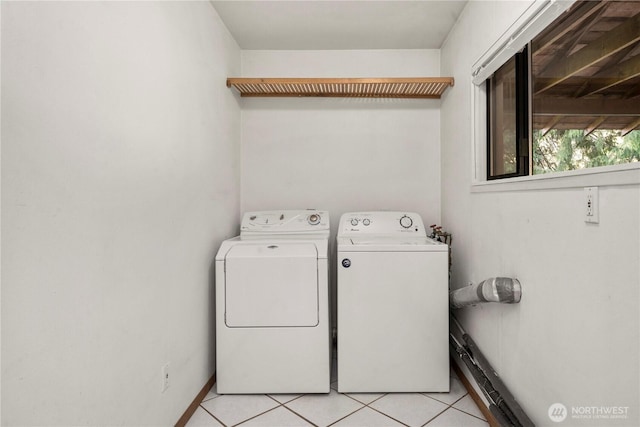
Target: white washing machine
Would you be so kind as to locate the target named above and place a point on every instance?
(272, 305)
(393, 305)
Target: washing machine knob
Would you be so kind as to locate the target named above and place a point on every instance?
(314, 219)
(366, 221)
(354, 222)
(406, 221)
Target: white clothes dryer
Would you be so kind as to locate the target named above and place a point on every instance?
(393, 306)
(272, 305)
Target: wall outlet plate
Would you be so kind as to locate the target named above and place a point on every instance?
(165, 378)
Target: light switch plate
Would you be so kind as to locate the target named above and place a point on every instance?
(591, 204)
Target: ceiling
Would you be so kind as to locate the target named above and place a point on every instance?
(329, 25)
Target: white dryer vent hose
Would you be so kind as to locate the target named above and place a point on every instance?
(497, 289)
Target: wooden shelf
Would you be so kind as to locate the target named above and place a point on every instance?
(418, 87)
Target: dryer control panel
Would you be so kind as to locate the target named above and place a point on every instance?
(381, 223)
(285, 222)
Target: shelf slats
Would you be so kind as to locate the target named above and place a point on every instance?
(415, 87)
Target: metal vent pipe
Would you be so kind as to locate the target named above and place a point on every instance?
(497, 289)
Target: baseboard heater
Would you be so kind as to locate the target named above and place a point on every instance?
(502, 405)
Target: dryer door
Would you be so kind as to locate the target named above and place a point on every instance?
(271, 285)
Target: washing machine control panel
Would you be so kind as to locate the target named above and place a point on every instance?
(381, 223)
(285, 222)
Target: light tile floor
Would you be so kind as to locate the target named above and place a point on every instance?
(452, 409)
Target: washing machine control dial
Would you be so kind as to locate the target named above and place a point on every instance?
(354, 222)
(366, 221)
(406, 221)
(314, 219)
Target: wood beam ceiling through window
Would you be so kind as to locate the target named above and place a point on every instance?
(583, 12)
(613, 76)
(608, 44)
(630, 127)
(585, 107)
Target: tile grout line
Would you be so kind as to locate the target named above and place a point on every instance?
(289, 401)
(262, 413)
(294, 412)
(214, 417)
(380, 412)
(450, 406)
(280, 404)
(426, 394)
(348, 415)
(474, 416)
(365, 405)
(463, 411)
(386, 415)
(314, 424)
(206, 400)
(439, 413)
(471, 415)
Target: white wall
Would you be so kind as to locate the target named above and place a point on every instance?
(341, 154)
(574, 338)
(120, 176)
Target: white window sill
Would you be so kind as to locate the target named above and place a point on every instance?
(628, 174)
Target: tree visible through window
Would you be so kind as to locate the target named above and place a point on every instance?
(570, 149)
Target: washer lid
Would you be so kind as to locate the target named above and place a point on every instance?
(390, 243)
(385, 240)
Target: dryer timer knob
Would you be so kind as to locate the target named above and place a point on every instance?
(406, 221)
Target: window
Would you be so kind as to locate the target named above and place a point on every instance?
(508, 124)
(571, 98)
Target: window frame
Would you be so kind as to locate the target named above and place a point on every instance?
(523, 120)
(537, 17)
